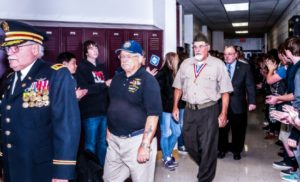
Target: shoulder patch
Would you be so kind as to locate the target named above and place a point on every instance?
(57, 66)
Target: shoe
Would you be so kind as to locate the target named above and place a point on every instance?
(287, 172)
(281, 165)
(281, 154)
(174, 161)
(270, 136)
(237, 156)
(168, 164)
(182, 150)
(291, 178)
(266, 128)
(279, 143)
(221, 155)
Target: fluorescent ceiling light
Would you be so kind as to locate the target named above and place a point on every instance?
(241, 32)
(241, 24)
(237, 7)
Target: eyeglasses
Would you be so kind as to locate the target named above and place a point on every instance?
(127, 56)
(230, 54)
(15, 48)
(200, 46)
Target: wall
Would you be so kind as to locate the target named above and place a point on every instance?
(209, 34)
(161, 14)
(188, 29)
(181, 30)
(218, 41)
(247, 43)
(196, 26)
(279, 32)
(98, 11)
(164, 13)
(192, 26)
(188, 33)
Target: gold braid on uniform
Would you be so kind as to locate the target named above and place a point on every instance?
(64, 162)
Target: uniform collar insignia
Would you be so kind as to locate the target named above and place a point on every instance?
(5, 26)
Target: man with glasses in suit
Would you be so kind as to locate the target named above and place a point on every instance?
(242, 99)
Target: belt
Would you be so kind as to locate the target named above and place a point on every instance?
(132, 134)
(200, 106)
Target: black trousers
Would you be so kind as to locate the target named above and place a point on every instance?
(200, 130)
(237, 124)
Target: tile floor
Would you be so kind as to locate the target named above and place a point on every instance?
(255, 165)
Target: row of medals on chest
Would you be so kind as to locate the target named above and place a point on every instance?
(36, 96)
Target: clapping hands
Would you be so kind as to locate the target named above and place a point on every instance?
(289, 115)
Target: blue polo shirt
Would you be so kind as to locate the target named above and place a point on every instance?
(281, 71)
(291, 72)
(132, 99)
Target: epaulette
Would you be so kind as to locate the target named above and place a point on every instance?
(57, 66)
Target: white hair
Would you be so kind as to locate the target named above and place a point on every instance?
(140, 57)
(41, 49)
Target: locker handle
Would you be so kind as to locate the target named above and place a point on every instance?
(49, 32)
(154, 35)
(95, 33)
(72, 33)
(116, 34)
(136, 34)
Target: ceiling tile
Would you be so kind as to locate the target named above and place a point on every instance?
(262, 14)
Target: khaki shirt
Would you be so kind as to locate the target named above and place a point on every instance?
(208, 86)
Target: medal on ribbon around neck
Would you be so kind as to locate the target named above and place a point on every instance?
(198, 69)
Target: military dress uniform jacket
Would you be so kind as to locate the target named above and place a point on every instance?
(40, 126)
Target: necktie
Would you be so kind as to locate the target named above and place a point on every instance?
(229, 69)
(18, 82)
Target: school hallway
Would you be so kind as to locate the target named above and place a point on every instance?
(255, 165)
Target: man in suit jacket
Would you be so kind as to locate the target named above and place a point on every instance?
(40, 118)
(241, 100)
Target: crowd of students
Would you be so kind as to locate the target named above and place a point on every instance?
(277, 75)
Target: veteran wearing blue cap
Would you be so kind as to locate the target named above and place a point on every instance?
(133, 112)
(40, 116)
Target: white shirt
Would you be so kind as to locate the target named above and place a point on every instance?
(24, 72)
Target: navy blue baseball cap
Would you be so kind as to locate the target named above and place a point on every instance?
(131, 46)
(17, 32)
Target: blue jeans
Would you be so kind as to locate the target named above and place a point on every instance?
(180, 138)
(95, 136)
(170, 131)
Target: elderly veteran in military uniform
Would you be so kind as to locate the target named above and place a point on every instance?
(133, 115)
(202, 80)
(40, 115)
